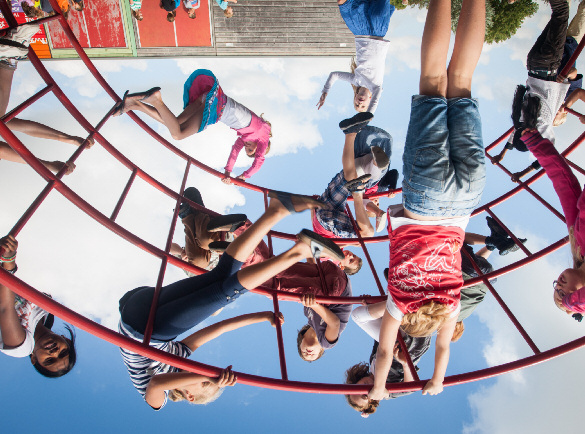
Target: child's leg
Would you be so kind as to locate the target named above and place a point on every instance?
(255, 275)
(6, 75)
(180, 127)
(348, 157)
(471, 238)
(435, 48)
(577, 27)
(36, 129)
(244, 245)
(547, 52)
(361, 216)
(468, 44)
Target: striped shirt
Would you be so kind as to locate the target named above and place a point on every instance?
(142, 369)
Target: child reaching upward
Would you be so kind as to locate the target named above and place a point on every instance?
(444, 177)
(204, 104)
(368, 20)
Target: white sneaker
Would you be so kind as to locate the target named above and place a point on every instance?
(381, 222)
(23, 34)
(9, 51)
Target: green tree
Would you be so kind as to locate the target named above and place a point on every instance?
(502, 19)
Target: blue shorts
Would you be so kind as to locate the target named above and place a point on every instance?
(367, 17)
(444, 159)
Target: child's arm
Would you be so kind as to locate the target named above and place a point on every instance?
(384, 356)
(562, 177)
(333, 77)
(155, 391)
(13, 334)
(375, 98)
(435, 385)
(516, 177)
(576, 95)
(207, 334)
(259, 158)
(236, 148)
(332, 320)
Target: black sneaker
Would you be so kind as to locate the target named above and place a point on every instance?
(218, 246)
(228, 223)
(495, 228)
(505, 245)
(194, 195)
(355, 123)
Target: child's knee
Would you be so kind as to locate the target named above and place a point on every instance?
(433, 85)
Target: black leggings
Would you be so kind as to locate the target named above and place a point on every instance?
(547, 52)
(183, 304)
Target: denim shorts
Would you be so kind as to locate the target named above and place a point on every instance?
(444, 159)
(367, 17)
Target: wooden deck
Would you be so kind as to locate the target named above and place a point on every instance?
(271, 28)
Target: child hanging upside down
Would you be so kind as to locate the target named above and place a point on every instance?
(444, 177)
(184, 304)
(358, 174)
(205, 104)
(368, 20)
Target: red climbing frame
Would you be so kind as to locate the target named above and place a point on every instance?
(54, 183)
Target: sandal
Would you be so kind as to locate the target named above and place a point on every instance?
(144, 95)
(119, 111)
(358, 184)
(320, 246)
(228, 223)
(287, 201)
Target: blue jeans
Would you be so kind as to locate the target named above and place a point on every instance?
(367, 17)
(444, 160)
(183, 304)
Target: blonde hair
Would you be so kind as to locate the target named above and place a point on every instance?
(578, 258)
(228, 12)
(429, 318)
(358, 266)
(352, 376)
(202, 398)
(560, 120)
(459, 329)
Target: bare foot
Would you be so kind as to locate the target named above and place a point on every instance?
(78, 141)
(153, 98)
(56, 166)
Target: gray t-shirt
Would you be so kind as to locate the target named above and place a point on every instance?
(416, 348)
(342, 311)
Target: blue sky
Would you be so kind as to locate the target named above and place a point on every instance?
(88, 268)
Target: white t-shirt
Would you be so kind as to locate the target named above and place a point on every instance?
(552, 95)
(30, 315)
(365, 164)
(370, 55)
(235, 115)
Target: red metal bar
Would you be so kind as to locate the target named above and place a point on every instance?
(66, 314)
(575, 167)
(278, 326)
(7, 13)
(573, 59)
(365, 249)
(279, 339)
(123, 196)
(27, 103)
(498, 141)
(405, 351)
(509, 232)
(503, 305)
(163, 265)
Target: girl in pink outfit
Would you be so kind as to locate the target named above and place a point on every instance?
(569, 288)
(204, 104)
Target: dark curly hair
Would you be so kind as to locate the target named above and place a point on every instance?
(527, 107)
(352, 376)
